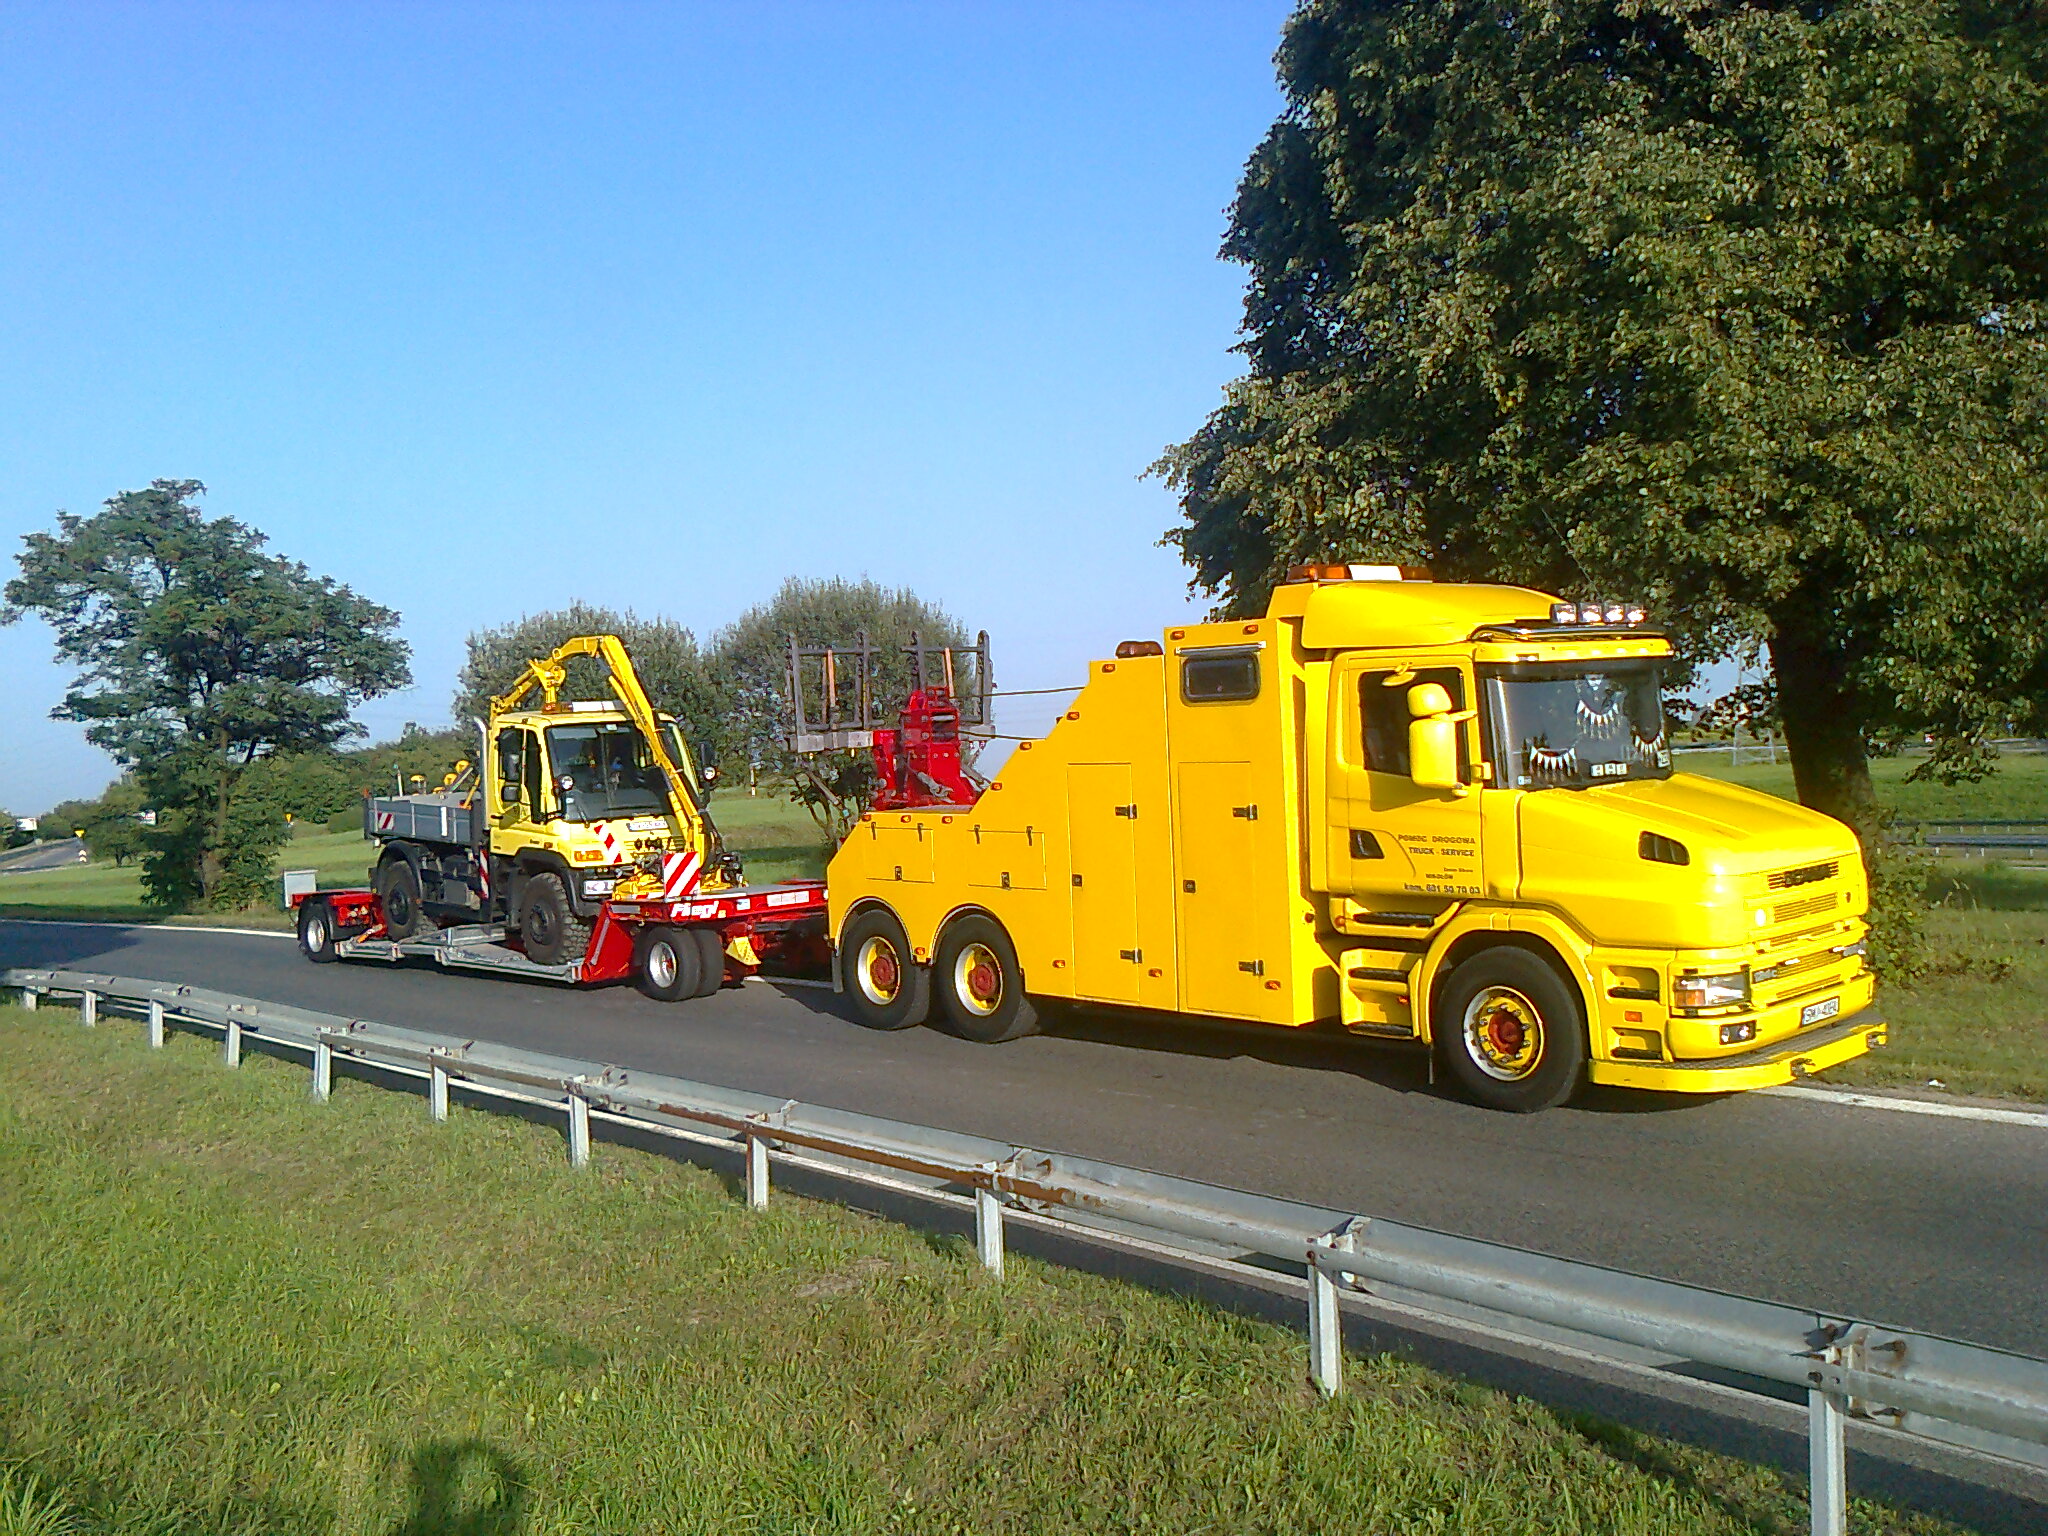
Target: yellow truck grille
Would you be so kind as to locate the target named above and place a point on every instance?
(1809, 906)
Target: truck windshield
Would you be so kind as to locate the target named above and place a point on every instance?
(603, 769)
(1580, 723)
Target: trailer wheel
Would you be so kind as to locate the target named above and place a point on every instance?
(711, 959)
(981, 985)
(398, 894)
(889, 989)
(549, 925)
(667, 963)
(316, 931)
(1511, 1033)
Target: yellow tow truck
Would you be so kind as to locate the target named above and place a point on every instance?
(1409, 810)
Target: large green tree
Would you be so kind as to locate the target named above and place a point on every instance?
(1738, 307)
(750, 658)
(200, 656)
(665, 655)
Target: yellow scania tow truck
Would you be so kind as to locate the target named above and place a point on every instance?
(1414, 811)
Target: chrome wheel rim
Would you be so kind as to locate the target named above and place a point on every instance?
(1504, 1035)
(316, 931)
(661, 963)
(978, 979)
(878, 970)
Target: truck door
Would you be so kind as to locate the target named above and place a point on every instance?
(1221, 962)
(1394, 846)
(1102, 821)
(516, 785)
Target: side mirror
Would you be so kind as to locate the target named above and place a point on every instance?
(508, 795)
(1433, 738)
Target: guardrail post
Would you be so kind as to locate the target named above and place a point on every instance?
(89, 1008)
(1827, 1453)
(437, 1091)
(988, 1230)
(323, 1071)
(156, 1024)
(757, 1172)
(1325, 1317)
(29, 995)
(579, 1130)
(231, 1044)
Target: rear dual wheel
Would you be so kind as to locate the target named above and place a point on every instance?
(980, 983)
(670, 964)
(878, 973)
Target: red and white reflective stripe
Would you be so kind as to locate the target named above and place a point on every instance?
(614, 850)
(680, 873)
(384, 820)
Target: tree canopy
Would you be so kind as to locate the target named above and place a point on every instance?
(750, 658)
(664, 653)
(199, 656)
(1738, 308)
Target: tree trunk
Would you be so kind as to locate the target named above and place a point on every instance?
(1823, 725)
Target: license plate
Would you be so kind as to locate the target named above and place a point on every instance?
(646, 824)
(1813, 1013)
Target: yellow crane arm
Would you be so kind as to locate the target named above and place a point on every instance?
(548, 673)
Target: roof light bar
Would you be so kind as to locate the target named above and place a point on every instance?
(1612, 615)
(1333, 572)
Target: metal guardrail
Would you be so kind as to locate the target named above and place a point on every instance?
(1937, 1389)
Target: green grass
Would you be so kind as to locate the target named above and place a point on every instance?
(2018, 791)
(228, 1310)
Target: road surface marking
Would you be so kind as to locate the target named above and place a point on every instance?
(2033, 1117)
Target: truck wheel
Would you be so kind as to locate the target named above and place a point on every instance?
(549, 925)
(667, 963)
(711, 955)
(1510, 1031)
(316, 931)
(398, 894)
(981, 985)
(889, 989)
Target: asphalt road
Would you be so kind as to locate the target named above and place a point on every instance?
(1934, 1224)
(41, 856)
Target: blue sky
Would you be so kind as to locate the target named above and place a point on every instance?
(483, 309)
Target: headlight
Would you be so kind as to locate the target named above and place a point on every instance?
(1710, 991)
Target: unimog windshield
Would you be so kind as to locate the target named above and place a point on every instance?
(1575, 724)
(603, 769)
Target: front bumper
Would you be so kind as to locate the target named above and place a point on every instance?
(1782, 1061)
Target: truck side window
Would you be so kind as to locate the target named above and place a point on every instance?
(530, 751)
(1384, 712)
(511, 752)
(1219, 677)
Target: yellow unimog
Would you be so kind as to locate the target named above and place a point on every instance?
(1410, 810)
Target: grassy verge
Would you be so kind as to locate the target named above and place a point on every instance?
(2018, 791)
(229, 1310)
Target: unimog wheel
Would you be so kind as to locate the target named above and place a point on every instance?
(398, 895)
(1510, 1031)
(980, 983)
(888, 988)
(548, 924)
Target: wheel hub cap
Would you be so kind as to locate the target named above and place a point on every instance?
(879, 971)
(1503, 1034)
(978, 978)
